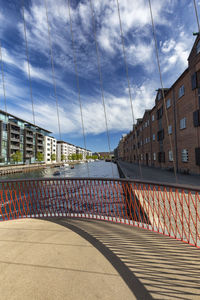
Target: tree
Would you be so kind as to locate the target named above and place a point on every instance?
(17, 156)
(74, 157)
(63, 157)
(40, 156)
(53, 156)
(94, 156)
(70, 157)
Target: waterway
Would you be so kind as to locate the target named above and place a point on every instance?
(96, 169)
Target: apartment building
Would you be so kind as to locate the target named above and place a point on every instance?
(50, 149)
(64, 150)
(17, 134)
(168, 135)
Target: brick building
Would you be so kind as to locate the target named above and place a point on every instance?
(168, 135)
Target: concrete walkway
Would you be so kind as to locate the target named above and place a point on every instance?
(153, 174)
(63, 258)
(43, 260)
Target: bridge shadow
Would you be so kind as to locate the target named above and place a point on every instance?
(152, 265)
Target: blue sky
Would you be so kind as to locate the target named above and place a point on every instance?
(174, 20)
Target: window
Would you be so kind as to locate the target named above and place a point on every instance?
(147, 122)
(184, 155)
(154, 156)
(194, 81)
(181, 91)
(141, 156)
(154, 137)
(152, 118)
(161, 157)
(196, 118)
(140, 128)
(159, 113)
(141, 143)
(171, 155)
(183, 123)
(198, 47)
(168, 104)
(197, 155)
(170, 129)
(160, 135)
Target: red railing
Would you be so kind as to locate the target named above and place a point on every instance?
(172, 210)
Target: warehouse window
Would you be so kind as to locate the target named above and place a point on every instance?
(181, 91)
(196, 118)
(171, 155)
(170, 129)
(197, 156)
(184, 155)
(154, 156)
(194, 81)
(168, 103)
(183, 123)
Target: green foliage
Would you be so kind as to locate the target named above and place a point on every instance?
(74, 156)
(40, 156)
(94, 156)
(17, 156)
(63, 157)
(79, 156)
(53, 156)
(70, 157)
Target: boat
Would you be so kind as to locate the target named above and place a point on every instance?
(72, 167)
(56, 173)
(65, 165)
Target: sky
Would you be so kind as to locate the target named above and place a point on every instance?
(174, 24)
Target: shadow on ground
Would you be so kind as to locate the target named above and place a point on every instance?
(152, 265)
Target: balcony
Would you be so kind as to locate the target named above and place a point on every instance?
(29, 148)
(14, 147)
(29, 134)
(30, 142)
(15, 131)
(15, 139)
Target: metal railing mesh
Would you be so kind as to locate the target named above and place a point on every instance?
(171, 210)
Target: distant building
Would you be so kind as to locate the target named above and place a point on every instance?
(149, 142)
(19, 135)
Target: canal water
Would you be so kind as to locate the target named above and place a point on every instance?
(97, 168)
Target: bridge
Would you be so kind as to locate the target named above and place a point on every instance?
(97, 238)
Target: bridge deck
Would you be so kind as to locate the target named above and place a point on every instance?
(42, 260)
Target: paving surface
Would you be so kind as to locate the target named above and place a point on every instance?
(153, 174)
(64, 258)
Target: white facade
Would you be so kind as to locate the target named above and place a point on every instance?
(49, 148)
(66, 149)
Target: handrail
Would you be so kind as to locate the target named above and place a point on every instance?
(143, 181)
(171, 209)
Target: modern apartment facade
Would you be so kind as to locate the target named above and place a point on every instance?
(19, 135)
(168, 135)
(64, 150)
(50, 149)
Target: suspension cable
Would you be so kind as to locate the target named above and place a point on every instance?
(162, 88)
(3, 79)
(77, 80)
(52, 69)
(101, 81)
(197, 17)
(129, 87)
(28, 63)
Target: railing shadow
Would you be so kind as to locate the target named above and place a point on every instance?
(152, 265)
